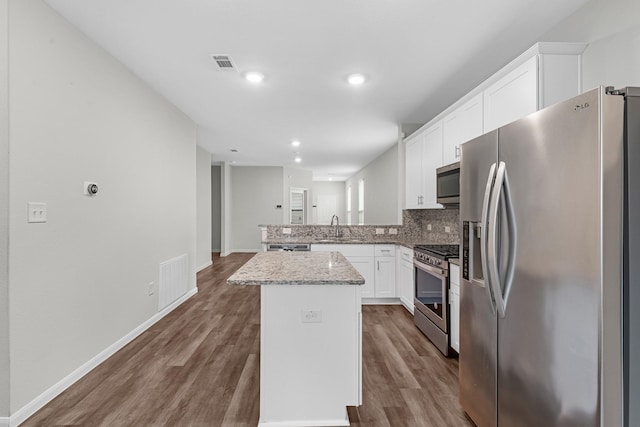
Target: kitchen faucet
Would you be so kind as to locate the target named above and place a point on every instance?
(337, 224)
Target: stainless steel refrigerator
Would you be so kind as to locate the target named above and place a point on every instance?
(550, 207)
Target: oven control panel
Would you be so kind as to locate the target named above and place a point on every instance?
(428, 259)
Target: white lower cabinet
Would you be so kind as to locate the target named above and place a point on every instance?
(454, 306)
(385, 276)
(404, 276)
(376, 263)
(364, 265)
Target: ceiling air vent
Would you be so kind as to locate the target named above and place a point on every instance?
(223, 62)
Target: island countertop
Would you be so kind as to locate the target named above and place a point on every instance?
(297, 268)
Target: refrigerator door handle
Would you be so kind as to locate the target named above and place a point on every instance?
(513, 241)
(502, 184)
(483, 238)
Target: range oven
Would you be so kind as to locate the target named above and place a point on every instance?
(431, 282)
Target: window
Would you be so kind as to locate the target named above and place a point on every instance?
(349, 205)
(361, 202)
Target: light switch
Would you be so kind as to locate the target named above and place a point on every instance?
(37, 212)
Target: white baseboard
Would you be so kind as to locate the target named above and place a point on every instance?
(4, 421)
(203, 266)
(32, 407)
(246, 251)
(224, 254)
(381, 301)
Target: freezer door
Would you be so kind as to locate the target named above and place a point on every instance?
(548, 339)
(478, 323)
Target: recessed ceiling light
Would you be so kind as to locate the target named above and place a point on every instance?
(295, 143)
(254, 77)
(356, 79)
(330, 178)
(298, 159)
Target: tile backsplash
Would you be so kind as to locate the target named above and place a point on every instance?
(416, 224)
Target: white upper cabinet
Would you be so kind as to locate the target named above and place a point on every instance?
(413, 173)
(512, 97)
(545, 74)
(431, 160)
(423, 154)
(461, 125)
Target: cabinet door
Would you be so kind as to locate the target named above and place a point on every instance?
(454, 306)
(385, 277)
(454, 312)
(413, 173)
(431, 160)
(365, 266)
(405, 284)
(512, 97)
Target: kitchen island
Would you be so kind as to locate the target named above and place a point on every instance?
(310, 336)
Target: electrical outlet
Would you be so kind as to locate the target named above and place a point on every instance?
(447, 229)
(379, 230)
(286, 231)
(37, 212)
(151, 288)
(393, 231)
(429, 227)
(311, 316)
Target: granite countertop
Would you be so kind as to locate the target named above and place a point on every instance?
(297, 268)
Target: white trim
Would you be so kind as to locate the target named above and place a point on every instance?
(203, 266)
(4, 421)
(326, 423)
(32, 407)
(224, 254)
(381, 301)
(246, 250)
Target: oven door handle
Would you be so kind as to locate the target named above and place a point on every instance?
(436, 271)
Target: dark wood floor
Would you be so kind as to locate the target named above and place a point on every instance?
(199, 366)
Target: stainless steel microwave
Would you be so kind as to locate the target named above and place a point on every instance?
(448, 184)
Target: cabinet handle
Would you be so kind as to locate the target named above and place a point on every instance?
(378, 265)
(457, 151)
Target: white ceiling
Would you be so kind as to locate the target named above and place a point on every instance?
(420, 55)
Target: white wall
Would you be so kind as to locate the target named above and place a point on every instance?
(255, 192)
(80, 281)
(4, 211)
(381, 188)
(203, 208)
(612, 29)
(216, 208)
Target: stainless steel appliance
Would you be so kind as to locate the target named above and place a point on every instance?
(288, 247)
(550, 251)
(431, 281)
(448, 184)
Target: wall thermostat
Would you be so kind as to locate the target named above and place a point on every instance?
(90, 188)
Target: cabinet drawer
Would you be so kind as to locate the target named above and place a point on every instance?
(385, 250)
(346, 250)
(406, 254)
